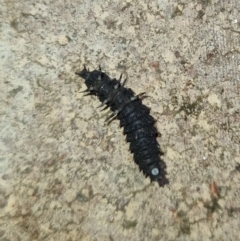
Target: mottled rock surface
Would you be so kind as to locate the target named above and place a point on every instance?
(64, 174)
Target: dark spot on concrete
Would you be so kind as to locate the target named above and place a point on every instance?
(14, 92)
(127, 224)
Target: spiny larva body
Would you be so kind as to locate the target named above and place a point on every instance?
(135, 119)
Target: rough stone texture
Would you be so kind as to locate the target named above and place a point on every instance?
(66, 176)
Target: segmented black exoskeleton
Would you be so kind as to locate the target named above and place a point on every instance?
(134, 117)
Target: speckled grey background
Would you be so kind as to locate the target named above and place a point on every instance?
(64, 174)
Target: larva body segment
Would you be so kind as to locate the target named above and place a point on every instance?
(135, 119)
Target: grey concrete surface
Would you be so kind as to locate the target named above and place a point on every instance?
(64, 174)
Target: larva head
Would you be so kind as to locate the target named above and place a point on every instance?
(91, 78)
(87, 76)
